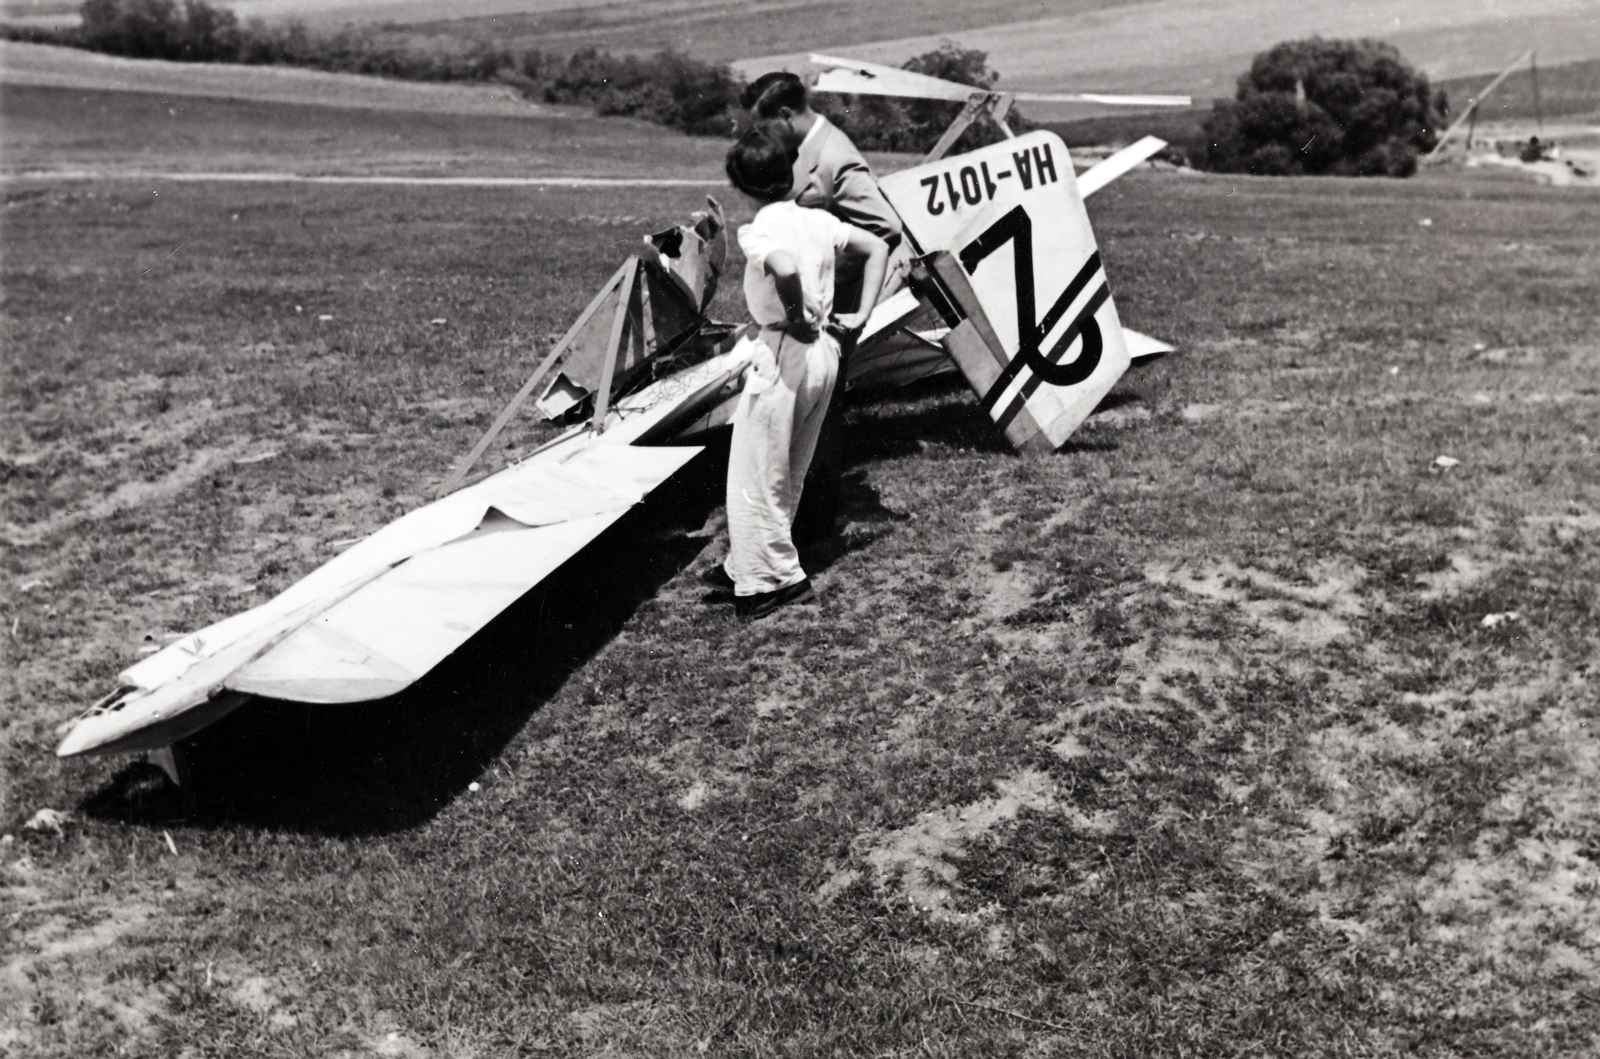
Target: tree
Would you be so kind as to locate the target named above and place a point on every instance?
(159, 29)
(669, 88)
(143, 29)
(1339, 107)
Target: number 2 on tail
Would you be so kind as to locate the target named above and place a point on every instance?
(1016, 228)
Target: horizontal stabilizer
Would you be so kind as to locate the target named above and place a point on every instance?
(1141, 345)
(1112, 166)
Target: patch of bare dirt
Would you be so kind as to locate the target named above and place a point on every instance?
(1308, 614)
(916, 860)
(58, 975)
(72, 966)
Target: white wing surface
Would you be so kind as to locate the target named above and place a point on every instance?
(1141, 345)
(372, 620)
(860, 78)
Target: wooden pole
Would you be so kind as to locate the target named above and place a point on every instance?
(999, 107)
(630, 291)
(1538, 104)
(454, 478)
(1479, 98)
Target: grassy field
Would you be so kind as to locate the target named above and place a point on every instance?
(1190, 740)
(41, 65)
(53, 128)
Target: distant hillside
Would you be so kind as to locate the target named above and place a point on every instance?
(1572, 89)
(1195, 46)
(730, 30)
(39, 65)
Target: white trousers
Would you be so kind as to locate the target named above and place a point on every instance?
(775, 429)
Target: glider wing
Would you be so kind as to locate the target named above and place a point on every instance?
(860, 78)
(372, 620)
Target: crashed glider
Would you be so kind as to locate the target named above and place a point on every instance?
(1008, 288)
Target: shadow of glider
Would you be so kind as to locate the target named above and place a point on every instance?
(1008, 289)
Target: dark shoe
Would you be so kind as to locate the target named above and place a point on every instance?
(751, 608)
(717, 577)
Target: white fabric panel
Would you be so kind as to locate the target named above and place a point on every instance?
(1109, 168)
(1142, 345)
(855, 77)
(382, 638)
(895, 309)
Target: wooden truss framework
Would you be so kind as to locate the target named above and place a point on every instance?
(992, 105)
(639, 295)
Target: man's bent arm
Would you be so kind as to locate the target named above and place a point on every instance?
(857, 201)
(876, 251)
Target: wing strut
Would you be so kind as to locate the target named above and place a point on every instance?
(626, 307)
(993, 104)
(454, 478)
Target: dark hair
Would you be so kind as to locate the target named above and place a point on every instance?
(761, 166)
(766, 94)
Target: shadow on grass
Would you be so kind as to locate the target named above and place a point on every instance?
(861, 512)
(864, 516)
(939, 411)
(376, 767)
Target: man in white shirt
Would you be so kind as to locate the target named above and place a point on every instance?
(789, 288)
(831, 175)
